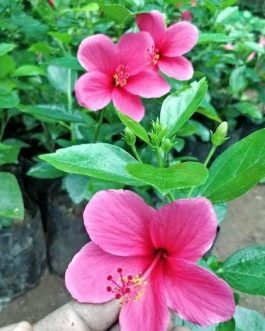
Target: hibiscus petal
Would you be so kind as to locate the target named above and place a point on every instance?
(150, 311)
(186, 228)
(180, 39)
(93, 90)
(177, 67)
(118, 221)
(133, 51)
(98, 53)
(196, 294)
(154, 23)
(86, 276)
(128, 104)
(147, 84)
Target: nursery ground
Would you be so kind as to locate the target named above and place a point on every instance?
(243, 226)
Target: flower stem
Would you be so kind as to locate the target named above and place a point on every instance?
(136, 153)
(97, 130)
(159, 159)
(208, 158)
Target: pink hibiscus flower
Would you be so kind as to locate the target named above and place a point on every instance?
(169, 44)
(147, 259)
(118, 73)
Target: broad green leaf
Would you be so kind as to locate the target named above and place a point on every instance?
(76, 186)
(225, 14)
(8, 99)
(179, 107)
(69, 62)
(249, 109)
(237, 169)
(64, 38)
(245, 270)
(208, 110)
(220, 211)
(227, 326)
(11, 202)
(135, 127)
(29, 70)
(238, 80)
(8, 153)
(50, 113)
(61, 78)
(206, 38)
(7, 65)
(248, 320)
(99, 160)
(181, 175)
(44, 170)
(116, 12)
(5, 48)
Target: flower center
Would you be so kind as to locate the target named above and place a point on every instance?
(121, 76)
(153, 55)
(130, 287)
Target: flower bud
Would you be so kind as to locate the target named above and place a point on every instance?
(129, 137)
(167, 145)
(219, 137)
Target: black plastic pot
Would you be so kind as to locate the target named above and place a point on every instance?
(22, 255)
(65, 230)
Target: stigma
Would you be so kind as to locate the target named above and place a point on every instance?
(153, 55)
(121, 76)
(126, 288)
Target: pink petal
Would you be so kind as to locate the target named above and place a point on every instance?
(133, 51)
(186, 228)
(154, 23)
(196, 294)
(150, 311)
(93, 90)
(147, 84)
(180, 39)
(118, 221)
(177, 67)
(86, 276)
(98, 53)
(128, 104)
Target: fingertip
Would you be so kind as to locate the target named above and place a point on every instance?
(23, 326)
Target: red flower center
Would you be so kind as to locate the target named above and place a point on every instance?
(121, 76)
(153, 55)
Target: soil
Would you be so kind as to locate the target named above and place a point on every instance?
(244, 225)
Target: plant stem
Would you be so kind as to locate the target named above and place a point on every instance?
(70, 101)
(159, 159)
(208, 158)
(136, 153)
(97, 130)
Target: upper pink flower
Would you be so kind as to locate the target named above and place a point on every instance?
(147, 259)
(118, 73)
(169, 44)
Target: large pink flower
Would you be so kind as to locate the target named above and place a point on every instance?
(118, 73)
(147, 259)
(169, 44)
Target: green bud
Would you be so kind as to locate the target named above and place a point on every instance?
(157, 134)
(167, 145)
(219, 137)
(129, 137)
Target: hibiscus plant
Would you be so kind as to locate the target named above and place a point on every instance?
(156, 257)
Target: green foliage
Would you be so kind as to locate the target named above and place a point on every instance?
(44, 170)
(8, 153)
(10, 197)
(245, 270)
(8, 99)
(236, 170)
(178, 176)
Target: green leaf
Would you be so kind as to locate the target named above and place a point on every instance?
(206, 38)
(76, 186)
(61, 78)
(29, 70)
(179, 107)
(248, 320)
(227, 326)
(69, 62)
(44, 170)
(208, 110)
(220, 211)
(5, 48)
(245, 270)
(10, 196)
(116, 12)
(237, 169)
(225, 14)
(249, 109)
(64, 38)
(181, 175)
(8, 99)
(99, 160)
(8, 153)
(50, 113)
(135, 127)
(238, 80)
